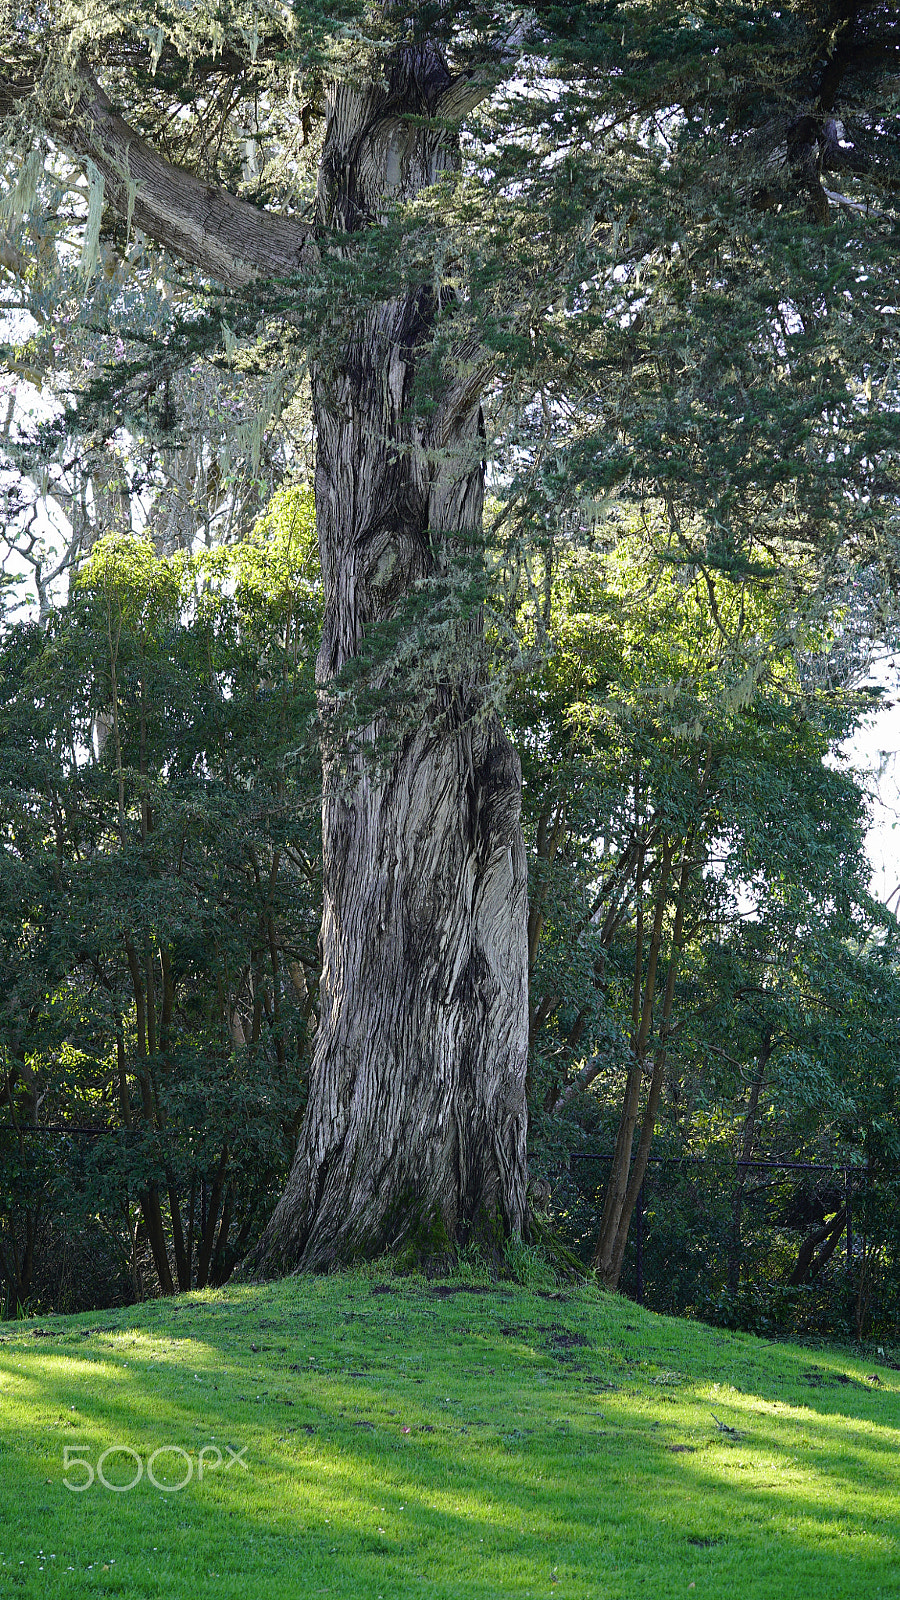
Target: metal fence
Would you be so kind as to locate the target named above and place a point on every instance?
(851, 1177)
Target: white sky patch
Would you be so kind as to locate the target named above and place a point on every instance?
(874, 753)
(42, 516)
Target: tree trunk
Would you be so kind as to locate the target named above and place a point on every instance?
(817, 1249)
(748, 1134)
(416, 1120)
(415, 1129)
(609, 1251)
(641, 1022)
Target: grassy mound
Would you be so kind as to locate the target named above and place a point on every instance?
(385, 1439)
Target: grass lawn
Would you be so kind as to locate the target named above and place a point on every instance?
(384, 1438)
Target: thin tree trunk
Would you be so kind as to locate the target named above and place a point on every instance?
(217, 1273)
(817, 1248)
(610, 1265)
(643, 995)
(182, 1262)
(415, 1128)
(149, 1200)
(748, 1134)
(208, 1234)
(610, 1248)
(548, 843)
(151, 1212)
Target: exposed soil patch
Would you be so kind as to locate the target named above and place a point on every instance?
(443, 1291)
(561, 1339)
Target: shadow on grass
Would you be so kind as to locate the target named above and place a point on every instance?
(414, 1443)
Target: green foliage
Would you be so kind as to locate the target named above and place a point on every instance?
(159, 833)
(673, 702)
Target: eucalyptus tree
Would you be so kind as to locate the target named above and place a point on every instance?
(614, 248)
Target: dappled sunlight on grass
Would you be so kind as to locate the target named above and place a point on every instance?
(412, 1439)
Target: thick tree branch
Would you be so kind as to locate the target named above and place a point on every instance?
(227, 238)
(591, 1070)
(468, 89)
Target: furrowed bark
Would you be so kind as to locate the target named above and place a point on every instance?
(227, 238)
(415, 1129)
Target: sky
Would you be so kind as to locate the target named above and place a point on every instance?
(873, 750)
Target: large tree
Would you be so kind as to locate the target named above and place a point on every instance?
(613, 247)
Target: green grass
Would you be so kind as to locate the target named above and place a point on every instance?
(443, 1440)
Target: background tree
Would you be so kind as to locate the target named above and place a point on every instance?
(161, 893)
(679, 807)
